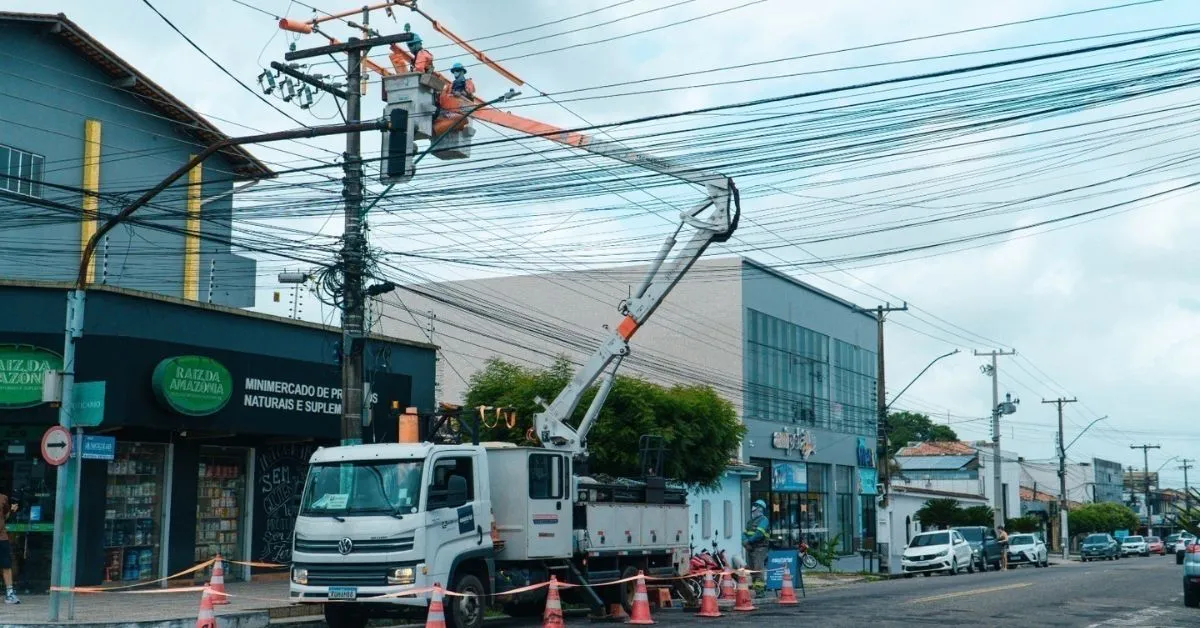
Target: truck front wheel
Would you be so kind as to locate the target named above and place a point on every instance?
(344, 615)
(466, 610)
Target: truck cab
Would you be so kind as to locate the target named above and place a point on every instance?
(378, 520)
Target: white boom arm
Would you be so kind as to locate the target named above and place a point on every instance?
(551, 425)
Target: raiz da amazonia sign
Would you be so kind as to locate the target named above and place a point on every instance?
(193, 385)
(22, 369)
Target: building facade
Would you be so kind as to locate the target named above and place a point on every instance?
(798, 365)
(1107, 483)
(963, 468)
(82, 135)
(199, 438)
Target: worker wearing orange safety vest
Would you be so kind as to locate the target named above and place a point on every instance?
(452, 99)
(422, 59)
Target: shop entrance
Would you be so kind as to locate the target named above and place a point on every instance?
(221, 508)
(133, 512)
(29, 482)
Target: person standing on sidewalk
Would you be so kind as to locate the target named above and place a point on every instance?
(755, 538)
(7, 507)
(1002, 540)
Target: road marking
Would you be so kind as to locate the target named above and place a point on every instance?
(946, 596)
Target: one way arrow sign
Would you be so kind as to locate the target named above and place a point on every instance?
(56, 445)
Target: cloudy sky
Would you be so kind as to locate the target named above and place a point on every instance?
(1100, 307)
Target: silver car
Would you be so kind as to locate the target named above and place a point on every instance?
(1027, 549)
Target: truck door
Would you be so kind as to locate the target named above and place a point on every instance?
(457, 516)
(549, 522)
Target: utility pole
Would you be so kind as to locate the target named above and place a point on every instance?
(1187, 492)
(1146, 480)
(881, 438)
(998, 485)
(1062, 477)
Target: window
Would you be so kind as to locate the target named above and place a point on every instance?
(447, 473)
(705, 519)
(21, 172)
(728, 519)
(547, 476)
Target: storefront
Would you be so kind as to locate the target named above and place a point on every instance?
(209, 430)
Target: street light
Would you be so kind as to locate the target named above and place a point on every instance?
(914, 380)
(1081, 433)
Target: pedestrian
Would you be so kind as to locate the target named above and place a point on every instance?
(755, 539)
(7, 507)
(1002, 540)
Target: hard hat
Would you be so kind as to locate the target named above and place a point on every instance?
(457, 67)
(760, 504)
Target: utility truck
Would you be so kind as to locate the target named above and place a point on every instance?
(484, 519)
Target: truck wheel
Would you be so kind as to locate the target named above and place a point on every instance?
(466, 610)
(627, 589)
(344, 615)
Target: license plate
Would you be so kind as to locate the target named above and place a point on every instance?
(343, 593)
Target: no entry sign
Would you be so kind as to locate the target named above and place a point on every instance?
(56, 445)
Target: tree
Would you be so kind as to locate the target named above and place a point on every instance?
(1189, 518)
(939, 513)
(906, 427)
(1023, 524)
(976, 516)
(700, 430)
(1101, 517)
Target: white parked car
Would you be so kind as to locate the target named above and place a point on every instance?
(944, 551)
(1184, 541)
(1135, 545)
(1027, 549)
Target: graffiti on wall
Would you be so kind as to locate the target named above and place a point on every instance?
(281, 472)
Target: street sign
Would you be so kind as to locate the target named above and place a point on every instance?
(98, 447)
(56, 445)
(87, 404)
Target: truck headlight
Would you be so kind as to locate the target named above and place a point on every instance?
(300, 575)
(401, 575)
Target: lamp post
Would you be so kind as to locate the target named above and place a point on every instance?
(1064, 537)
(914, 380)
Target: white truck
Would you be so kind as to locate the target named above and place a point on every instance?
(378, 520)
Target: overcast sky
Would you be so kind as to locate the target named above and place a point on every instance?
(1106, 310)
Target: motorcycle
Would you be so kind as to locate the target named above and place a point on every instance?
(702, 563)
(808, 560)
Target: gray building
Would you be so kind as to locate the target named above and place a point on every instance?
(82, 133)
(1108, 480)
(798, 364)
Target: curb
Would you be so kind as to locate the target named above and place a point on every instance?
(245, 619)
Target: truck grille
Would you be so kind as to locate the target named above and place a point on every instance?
(361, 546)
(347, 574)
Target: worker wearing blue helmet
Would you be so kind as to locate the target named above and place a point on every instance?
(422, 59)
(462, 86)
(755, 538)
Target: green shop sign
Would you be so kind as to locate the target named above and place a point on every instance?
(193, 385)
(22, 368)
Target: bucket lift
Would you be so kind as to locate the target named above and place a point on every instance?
(415, 94)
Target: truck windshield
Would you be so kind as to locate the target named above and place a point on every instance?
(360, 488)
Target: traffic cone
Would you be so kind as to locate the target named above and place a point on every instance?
(437, 615)
(217, 582)
(708, 600)
(787, 594)
(205, 618)
(640, 613)
(727, 590)
(553, 617)
(745, 602)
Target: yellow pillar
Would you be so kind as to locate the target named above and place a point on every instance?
(91, 186)
(191, 236)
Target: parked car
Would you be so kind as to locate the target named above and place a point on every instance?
(1191, 576)
(1134, 545)
(985, 550)
(1027, 549)
(1182, 544)
(1099, 546)
(939, 551)
(1169, 544)
(1154, 545)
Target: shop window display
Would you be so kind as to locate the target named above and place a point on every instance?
(133, 512)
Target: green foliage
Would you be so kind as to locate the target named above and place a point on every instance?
(1022, 525)
(1189, 518)
(1101, 517)
(905, 427)
(827, 552)
(700, 429)
(976, 516)
(940, 513)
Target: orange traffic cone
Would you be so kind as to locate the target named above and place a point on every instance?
(217, 582)
(553, 617)
(708, 600)
(640, 613)
(437, 615)
(205, 618)
(787, 594)
(745, 602)
(727, 590)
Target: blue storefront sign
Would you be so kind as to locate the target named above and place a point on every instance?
(866, 481)
(98, 447)
(789, 477)
(776, 559)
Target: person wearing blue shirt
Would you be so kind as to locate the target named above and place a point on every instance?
(755, 539)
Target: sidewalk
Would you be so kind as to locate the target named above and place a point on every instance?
(251, 605)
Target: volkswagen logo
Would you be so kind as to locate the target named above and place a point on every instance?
(345, 546)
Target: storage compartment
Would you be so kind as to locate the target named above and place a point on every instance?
(531, 502)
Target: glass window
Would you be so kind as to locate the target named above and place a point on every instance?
(547, 476)
(728, 519)
(6, 183)
(362, 488)
(133, 512)
(21, 172)
(705, 519)
(926, 540)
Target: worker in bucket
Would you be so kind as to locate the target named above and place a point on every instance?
(422, 59)
(462, 87)
(755, 538)
(452, 102)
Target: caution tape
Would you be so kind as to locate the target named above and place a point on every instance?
(123, 588)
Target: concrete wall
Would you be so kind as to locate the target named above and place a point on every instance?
(727, 534)
(898, 521)
(696, 331)
(47, 92)
(769, 293)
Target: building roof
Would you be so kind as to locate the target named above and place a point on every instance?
(929, 492)
(934, 463)
(244, 164)
(809, 287)
(1030, 495)
(937, 448)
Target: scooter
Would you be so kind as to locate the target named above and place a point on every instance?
(705, 562)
